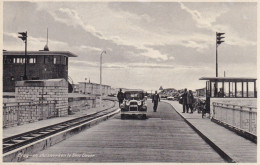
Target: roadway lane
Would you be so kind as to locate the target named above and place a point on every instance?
(163, 137)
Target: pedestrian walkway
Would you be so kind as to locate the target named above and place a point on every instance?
(11, 131)
(236, 147)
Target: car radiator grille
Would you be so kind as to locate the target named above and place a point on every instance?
(133, 103)
(133, 108)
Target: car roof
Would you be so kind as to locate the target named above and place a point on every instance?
(134, 91)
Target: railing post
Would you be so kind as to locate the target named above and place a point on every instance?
(48, 109)
(240, 117)
(221, 118)
(226, 114)
(8, 116)
(4, 116)
(250, 120)
(213, 104)
(56, 111)
(18, 114)
(31, 110)
(233, 116)
(41, 105)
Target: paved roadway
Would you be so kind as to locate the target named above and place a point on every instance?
(163, 137)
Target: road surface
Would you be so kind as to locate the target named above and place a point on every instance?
(163, 137)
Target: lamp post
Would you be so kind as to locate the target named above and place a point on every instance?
(85, 85)
(24, 38)
(101, 77)
(218, 42)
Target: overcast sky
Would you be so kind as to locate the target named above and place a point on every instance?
(148, 45)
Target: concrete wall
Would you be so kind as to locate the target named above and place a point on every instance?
(82, 103)
(44, 90)
(93, 88)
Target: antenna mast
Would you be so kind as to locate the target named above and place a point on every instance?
(47, 36)
(46, 48)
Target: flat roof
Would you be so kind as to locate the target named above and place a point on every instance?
(40, 53)
(55, 79)
(232, 79)
(92, 83)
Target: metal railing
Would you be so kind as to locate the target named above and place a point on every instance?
(23, 112)
(240, 117)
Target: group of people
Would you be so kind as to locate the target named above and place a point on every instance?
(155, 99)
(187, 101)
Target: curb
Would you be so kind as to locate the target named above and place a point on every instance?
(22, 153)
(224, 155)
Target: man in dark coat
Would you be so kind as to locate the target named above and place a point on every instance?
(185, 104)
(190, 100)
(155, 100)
(120, 97)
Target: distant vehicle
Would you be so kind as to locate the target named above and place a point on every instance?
(170, 98)
(163, 97)
(134, 104)
(112, 95)
(177, 97)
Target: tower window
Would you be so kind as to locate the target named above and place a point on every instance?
(32, 60)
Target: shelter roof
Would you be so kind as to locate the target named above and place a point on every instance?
(229, 79)
(40, 53)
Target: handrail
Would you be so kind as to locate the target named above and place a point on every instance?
(235, 105)
(249, 111)
(243, 118)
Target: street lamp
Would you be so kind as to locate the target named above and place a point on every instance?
(24, 38)
(85, 85)
(218, 42)
(101, 77)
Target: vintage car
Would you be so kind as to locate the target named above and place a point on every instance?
(170, 98)
(134, 104)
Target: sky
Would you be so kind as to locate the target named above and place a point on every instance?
(147, 44)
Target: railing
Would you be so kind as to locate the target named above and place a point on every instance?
(23, 112)
(240, 117)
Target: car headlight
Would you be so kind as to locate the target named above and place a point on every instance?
(127, 103)
(122, 105)
(139, 103)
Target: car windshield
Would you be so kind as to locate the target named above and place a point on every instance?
(135, 96)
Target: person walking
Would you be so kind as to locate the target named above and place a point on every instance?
(184, 102)
(190, 100)
(120, 97)
(155, 100)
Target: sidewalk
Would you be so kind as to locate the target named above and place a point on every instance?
(11, 131)
(229, 143)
